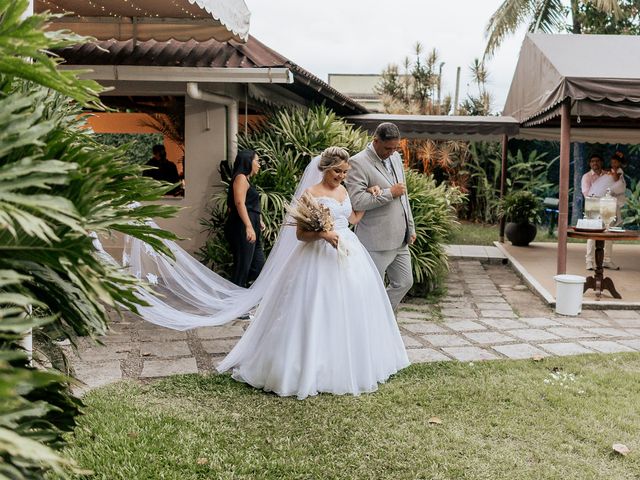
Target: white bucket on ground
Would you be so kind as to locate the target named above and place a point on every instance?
(569, 290)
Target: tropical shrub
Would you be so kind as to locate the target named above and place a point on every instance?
(286, 141)
(525, 172)
(631, 210)
(521, 206)
(434, 214)
(57, 186)
(138, 145)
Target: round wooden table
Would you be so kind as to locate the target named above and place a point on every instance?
(598, 281)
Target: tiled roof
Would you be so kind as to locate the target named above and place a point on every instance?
(231, 54)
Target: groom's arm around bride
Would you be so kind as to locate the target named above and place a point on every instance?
(387, 227)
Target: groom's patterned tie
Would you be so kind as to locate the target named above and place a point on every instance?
(387, 165)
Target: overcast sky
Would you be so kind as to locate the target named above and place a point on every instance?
(363, 36)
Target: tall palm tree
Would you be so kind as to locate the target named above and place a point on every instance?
(545, 16)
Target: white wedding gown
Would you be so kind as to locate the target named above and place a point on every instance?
(325, 323)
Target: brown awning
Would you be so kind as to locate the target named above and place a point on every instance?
(442, 127)
(600, 74)
(152, 19)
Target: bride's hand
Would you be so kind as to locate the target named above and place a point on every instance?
(331, 237)
(375, 190)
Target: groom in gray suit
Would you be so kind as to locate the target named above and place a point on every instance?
(386, 229)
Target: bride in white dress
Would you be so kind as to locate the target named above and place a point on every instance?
(325, 323)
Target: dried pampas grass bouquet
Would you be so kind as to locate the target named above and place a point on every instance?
(310, 215)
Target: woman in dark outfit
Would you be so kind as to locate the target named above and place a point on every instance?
(244, 224)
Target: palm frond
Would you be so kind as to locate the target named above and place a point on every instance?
(509, 16)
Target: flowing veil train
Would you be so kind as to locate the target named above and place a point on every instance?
(188, 294)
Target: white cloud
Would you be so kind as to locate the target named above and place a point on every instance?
(363, 36)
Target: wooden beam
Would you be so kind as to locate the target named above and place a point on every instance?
(503, 181)
(563, 215)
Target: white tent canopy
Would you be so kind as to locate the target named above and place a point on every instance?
(159, 20)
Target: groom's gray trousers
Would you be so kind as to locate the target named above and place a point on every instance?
(397, 264)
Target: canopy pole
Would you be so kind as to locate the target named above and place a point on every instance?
(503, 182)
(563, 215)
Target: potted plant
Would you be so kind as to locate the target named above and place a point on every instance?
(521, 210)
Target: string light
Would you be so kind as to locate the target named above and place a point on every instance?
(184, 10)
(100, 10)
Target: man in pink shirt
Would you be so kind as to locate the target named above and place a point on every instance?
(596, 162)
(595, 183)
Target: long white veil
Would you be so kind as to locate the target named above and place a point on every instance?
(188, 294)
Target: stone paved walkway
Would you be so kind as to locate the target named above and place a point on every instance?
(487, 314)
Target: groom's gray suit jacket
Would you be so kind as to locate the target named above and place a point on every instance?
(388, 222)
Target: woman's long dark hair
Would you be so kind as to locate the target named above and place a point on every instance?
(243, 163)
(242, 166)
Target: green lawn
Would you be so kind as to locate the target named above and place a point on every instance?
(553, 419)
(468, 233)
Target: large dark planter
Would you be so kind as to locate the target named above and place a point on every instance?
(520, 234)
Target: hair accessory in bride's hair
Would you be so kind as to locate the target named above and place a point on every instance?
(310, 215)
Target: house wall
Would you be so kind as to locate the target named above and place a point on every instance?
(204, 150)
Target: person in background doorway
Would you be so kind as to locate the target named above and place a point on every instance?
(164, 170)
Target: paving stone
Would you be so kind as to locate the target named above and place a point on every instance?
(178, 348)
(452, 305)
(487, 338)
(497, 299)
(220, 332)
(494, 306)
(445, 340)
(410, 342)
(97, 374)
(218, 346)
(606, 346)
(631, 343)
(609, 332)
(161, 335)
(618, 314)
(479, 282)
(533, 335)
(484, 293)
(116, 337)
(602, 322)
(593, 314)
(633, 331)
(405, 320)
(626, 322)
(497, 314)
(453, 296)
(114, 351)
(539, 322)
(459, 313)
(423, 355)
(503, 323)
(428, 308)
(469, 354)
(164, 368)
(564, 349)
(520, 351)
(520, 287)
(464, 325)
(424, 327)
(569, 332)
(577, 322)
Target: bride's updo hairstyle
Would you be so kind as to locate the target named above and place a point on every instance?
(332, 157)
